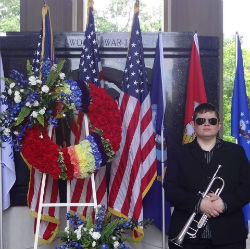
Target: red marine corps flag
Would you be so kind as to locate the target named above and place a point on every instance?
(196, 93)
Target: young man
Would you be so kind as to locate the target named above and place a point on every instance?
(190, 169)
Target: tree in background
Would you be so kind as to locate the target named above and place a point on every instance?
(228, 82)
(9, 15)
(118, 14)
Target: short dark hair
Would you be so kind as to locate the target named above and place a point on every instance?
(205, 107)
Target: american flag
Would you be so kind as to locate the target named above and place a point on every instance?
(90, 72)
(134, 168)
(44, 50)
(90, 63)
(90, 69)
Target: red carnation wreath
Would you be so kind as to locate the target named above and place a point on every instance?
(78, 161)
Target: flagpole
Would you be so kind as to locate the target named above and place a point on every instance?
(1, 203)
(236, 60)
(163, 191)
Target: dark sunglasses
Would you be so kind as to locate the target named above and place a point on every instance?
(201, 121)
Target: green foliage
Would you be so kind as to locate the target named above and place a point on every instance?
(25, 111)
(118, 16)
(228, 82)
(9, 15)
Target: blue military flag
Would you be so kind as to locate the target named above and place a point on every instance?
(152, 203)
(240, 122)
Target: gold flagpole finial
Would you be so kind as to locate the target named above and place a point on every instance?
(91, 3)
(136, 8)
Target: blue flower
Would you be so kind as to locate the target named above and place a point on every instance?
(104, 246)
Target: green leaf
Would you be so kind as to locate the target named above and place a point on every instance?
(29, 68)
(60, 66)
(51, 79)
(109, 229)
(89, 223)
(40, 119)
(25, 111)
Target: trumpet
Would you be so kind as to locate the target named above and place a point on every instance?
(188, 229)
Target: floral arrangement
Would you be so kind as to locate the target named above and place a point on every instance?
(34, 101)
(37, 103)
(104, 233)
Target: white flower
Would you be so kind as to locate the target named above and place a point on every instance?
(78, 233)
(84, 229)
(34, 114)
(9, 91)
(28, 104)
(42, 111)
(96, 235)
(38, 81)
(35, 103)
(113, 238)
(21, 90)
(54, 67)
(45, 88)
(6, 132)
(32, 80)
(17, 99)
(16, 132)
(62, 76)
(116, 244)
(17, 93)
(66, 229)
(12, 85)
(93, 244)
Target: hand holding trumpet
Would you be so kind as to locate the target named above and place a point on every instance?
(212, 205)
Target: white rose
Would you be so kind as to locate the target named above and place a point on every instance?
(113, 238)
(35, 103)
(116, 244)
(6, 132)
(93, 244)
(17, 99)
(62, 76)
(42, 111)
(17, 93)
(34, 114)
(38, 81)
(32, 80)
(66, 229)
(45, 88)
(96, 235)
(12, 85)
(28, 104)
(9, 91)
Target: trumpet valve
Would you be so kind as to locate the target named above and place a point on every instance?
(202, 222)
